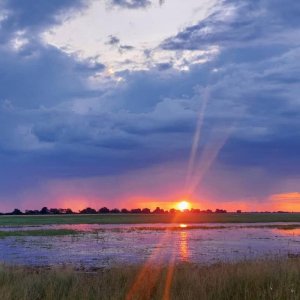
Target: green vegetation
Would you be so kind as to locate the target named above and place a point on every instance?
(63, 232)
(49, 232)
(277, 279)
(149, 218)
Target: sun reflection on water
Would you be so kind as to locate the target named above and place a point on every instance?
(292, 232)
(183, 246)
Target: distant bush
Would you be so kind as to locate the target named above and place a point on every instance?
(158, 211)
(16, 212)
(44, 211)
(136, 211)
(103, 210)
(220, 211)
(88, 210)
(54, 211)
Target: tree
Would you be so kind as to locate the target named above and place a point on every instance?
(136, 211)
(44, 210)
(124, 211)
(88, 210)
(32, 212)
(115, 211)
(103, 210)
(54, 211)
(146, 211)
(158, 211)
(16, 212)
(69, 211)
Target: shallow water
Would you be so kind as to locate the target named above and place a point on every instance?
(105, 245)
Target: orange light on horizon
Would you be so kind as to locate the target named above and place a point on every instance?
(75, 203)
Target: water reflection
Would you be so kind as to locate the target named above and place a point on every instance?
(292, 232)
(183, 246)
(106, 245)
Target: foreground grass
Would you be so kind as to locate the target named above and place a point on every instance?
(50, 232)
(152, 218)
(278, 279)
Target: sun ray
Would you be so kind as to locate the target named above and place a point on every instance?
(196, 139)
(208, 157)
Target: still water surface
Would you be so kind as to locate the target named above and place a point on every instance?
(106, 245)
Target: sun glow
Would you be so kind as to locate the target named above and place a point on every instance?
(183, 205)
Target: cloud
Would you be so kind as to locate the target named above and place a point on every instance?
(113, 40)
(44, 75)
(131, 4)
(68, 119)
(126, 47)
(235, 23)
(35, 16)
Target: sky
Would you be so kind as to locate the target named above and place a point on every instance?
(142, 103)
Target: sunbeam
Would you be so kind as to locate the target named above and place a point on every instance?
(197, 135)
(207, 158)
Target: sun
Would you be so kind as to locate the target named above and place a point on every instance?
(183, 205)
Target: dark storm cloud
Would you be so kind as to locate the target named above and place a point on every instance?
(43, 74)
(32, 73)
(34, 16)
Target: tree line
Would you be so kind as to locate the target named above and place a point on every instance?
(105, 210)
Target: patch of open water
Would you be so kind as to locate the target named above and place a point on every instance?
(106, 245)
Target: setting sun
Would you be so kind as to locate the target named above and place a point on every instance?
(183, 205)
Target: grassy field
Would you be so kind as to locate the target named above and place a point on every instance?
(152, 218)
(64, 232)
(278, 279)
(48, 232)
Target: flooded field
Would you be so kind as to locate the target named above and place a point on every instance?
(94, 245)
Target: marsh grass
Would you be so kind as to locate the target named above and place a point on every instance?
(46, 232)
(62, 232)
(276, 279)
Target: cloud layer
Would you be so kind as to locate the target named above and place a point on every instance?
(66, 119)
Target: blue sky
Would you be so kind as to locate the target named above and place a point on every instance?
(139, 102)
